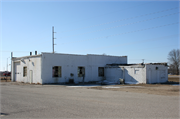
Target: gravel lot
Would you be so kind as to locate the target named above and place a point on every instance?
(57, 101)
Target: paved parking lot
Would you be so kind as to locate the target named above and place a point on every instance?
(57, 101)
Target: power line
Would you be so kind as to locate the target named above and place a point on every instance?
(14, 51)
(126, 32)
(136, 42)
(155, 47)
(109, 12)
(125, 24)
(145, 59)
(125, 19)
(152, 48)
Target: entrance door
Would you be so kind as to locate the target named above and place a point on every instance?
(31, 76)
(17, 71)
(149, 77)
(158, 77)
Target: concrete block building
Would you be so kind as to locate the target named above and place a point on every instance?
(47, 68)
(61, 68)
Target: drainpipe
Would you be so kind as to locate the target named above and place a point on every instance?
(12, 69)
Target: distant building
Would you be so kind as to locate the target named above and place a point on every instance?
(48, 68)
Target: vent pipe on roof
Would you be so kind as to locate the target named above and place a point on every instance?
(30, 53)
(35, 52)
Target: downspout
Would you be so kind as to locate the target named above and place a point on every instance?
(124, 74)
(12, 71)
(41, 68)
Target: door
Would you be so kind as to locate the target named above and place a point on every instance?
(149, 77)
(17, 70)
(158, 77)
(31, 76)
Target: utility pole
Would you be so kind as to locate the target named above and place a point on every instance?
(11, 65)
(53, 38)
(7, 64)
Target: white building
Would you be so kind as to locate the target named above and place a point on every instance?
(137, 73)
(61, 68)
(64, 68)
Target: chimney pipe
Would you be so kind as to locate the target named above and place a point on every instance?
(30, 53)
(35, 52)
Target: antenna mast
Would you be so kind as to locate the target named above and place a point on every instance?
(142, 60)
(53, 38)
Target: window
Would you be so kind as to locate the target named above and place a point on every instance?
(24, 71)
(101, 71)
(81, 71)
(136, 71)
(56, 71)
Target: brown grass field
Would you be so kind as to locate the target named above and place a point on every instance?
(170, 88)
(173, 80)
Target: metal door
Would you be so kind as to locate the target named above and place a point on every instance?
(31, 76)
(149, 77)
(17, 71)
(158, 77)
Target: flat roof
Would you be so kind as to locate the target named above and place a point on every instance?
(26, 56)
(140, 64)
(63, 54)
(82, 54)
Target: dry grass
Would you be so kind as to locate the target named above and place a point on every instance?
(156, 89)
(170, 79)
(5, 79)
(173, 75)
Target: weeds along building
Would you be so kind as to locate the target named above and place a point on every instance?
(48, 68)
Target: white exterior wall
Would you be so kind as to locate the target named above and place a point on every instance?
(135, 75)
(69, 64)
(156, 76)
(113, 74)
(34, 64)
(132, 75)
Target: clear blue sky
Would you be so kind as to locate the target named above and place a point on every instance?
(137, 29)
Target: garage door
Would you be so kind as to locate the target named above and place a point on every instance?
(17, 72)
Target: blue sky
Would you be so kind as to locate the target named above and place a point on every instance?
(137, 29)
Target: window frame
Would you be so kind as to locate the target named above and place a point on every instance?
(99, 74)
(136, 71)
(25, 71)
(81, 75)
(56, 71)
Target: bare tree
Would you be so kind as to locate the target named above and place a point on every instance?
(174, 60)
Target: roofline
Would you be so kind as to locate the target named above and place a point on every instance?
(27, 56)
(140, 64)
(81, 54)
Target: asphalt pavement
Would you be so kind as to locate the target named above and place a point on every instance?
(58, 101)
